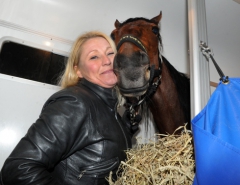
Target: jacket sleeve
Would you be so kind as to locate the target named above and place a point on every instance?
(47, 141)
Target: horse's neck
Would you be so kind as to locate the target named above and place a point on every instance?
(165, 105)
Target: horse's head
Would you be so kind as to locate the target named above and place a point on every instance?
(137, 41)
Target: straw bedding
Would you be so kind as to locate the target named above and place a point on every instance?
(169, 160)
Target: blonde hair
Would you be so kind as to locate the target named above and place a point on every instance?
(70, 77)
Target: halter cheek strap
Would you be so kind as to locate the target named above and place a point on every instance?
(154, 73)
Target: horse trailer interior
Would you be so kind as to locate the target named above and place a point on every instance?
(36, 37)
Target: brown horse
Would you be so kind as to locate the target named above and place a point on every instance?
(144, 75)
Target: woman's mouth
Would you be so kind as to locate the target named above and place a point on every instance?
(108, 71)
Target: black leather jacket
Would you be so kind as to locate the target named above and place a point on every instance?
(78, 139)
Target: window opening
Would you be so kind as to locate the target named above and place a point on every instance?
(31, 63)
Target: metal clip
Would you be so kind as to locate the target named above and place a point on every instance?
(206, 51)
(132, 114)
(81, 174)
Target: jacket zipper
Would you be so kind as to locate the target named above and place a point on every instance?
(93, 170)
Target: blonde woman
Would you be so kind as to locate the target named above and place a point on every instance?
(79, 137)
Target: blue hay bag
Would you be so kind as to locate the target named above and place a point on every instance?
(216, 135)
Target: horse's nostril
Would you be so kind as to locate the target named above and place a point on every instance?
(144, 58)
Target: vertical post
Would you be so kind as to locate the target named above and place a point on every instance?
(199, 67)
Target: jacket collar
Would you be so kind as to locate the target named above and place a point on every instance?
(108, 95)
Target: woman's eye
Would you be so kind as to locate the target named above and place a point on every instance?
(111, 53)
(93, 57)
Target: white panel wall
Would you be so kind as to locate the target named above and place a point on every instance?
(223, 28)
(59, 22)
(20, 104)
(67, 19)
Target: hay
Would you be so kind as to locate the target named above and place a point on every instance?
(167, 161)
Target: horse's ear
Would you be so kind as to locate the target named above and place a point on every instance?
(157, 19)
(117, 24)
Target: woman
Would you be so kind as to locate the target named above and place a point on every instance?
(79, 137)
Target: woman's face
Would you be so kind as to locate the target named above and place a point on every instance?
(96, 63)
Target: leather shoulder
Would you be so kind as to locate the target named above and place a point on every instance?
(70, 95)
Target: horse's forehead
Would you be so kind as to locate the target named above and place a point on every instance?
(140, 24)
(134, 27)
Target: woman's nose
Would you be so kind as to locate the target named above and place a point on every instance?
(106, 60)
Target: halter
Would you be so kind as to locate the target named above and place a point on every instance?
(153, 74)
(134, 40)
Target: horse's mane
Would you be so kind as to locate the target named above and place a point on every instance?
(135, 19)
(182, 83)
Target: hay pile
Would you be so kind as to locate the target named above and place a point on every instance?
(167, 161)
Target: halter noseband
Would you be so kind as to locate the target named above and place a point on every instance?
(153, 74)
(134, 40)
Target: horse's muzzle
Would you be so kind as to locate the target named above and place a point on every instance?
(133, 92)
(132, 72)
(133, 81)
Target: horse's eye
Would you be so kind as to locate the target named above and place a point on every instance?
(155, 30)
(112, 36)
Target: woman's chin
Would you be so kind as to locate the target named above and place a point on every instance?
(109, 83)
(110, 79)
